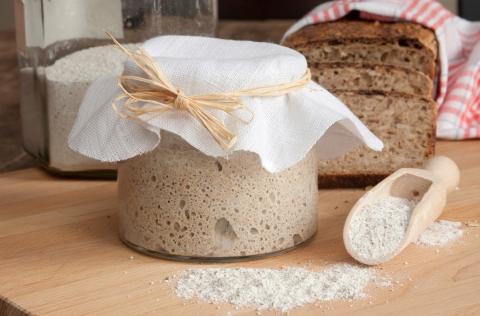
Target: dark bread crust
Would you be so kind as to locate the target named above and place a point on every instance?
(326, 181)
(406, 33)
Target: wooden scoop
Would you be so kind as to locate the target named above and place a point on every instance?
(428, 186)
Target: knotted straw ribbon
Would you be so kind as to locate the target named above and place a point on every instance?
(156, 94)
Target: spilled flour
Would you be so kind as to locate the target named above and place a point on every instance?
(378, 229)
(440, 233)
(279, 289)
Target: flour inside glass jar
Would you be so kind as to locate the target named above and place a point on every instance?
(67, 81)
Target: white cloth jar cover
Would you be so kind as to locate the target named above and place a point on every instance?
(282, 129)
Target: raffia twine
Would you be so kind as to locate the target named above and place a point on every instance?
(156, 94)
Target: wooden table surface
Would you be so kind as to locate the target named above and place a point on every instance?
(60, 254)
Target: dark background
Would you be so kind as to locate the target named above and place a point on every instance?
(265, 9)
(469, 9)
(294, 9)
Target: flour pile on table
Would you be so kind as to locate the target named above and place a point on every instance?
(440, 233)
(278, 289)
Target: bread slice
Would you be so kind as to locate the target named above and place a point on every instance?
(361, 77)
(372, 52)
(400, 44)
(406, 125)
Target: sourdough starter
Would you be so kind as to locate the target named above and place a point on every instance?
(177, 201)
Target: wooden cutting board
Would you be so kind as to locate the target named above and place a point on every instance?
(60, 255)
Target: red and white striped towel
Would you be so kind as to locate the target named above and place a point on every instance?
(458, 94)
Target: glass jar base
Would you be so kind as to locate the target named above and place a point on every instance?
(173, 257)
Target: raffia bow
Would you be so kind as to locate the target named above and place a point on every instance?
(156, 94)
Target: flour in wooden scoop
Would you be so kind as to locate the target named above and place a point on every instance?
(379, 229)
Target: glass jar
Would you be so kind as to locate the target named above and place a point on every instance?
(179, 203)
(62, 48)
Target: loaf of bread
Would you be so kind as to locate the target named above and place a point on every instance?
(384, 72)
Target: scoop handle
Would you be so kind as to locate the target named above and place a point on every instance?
(445, 172)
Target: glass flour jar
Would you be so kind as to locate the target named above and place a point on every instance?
(62, 48)
(179, 203)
